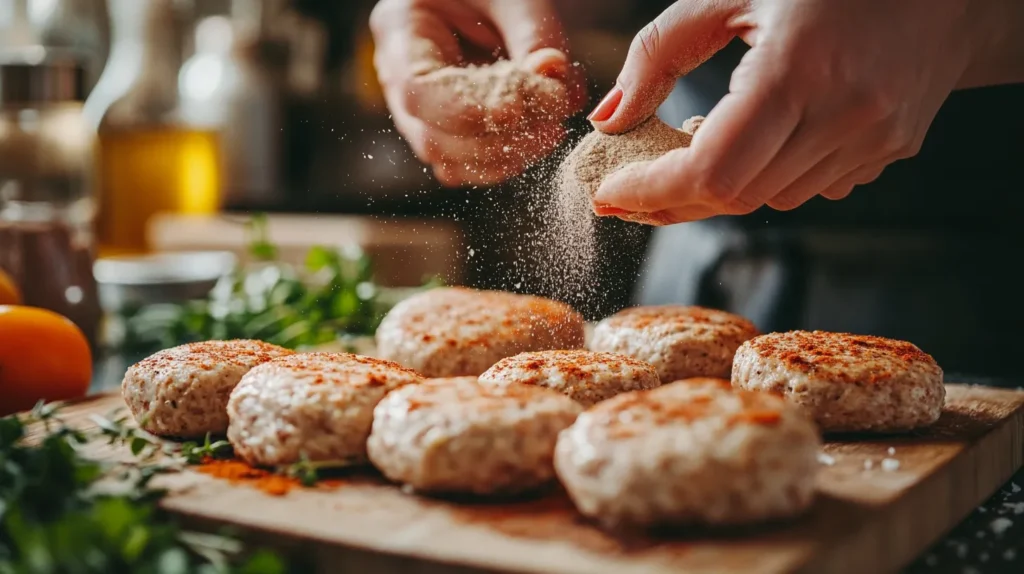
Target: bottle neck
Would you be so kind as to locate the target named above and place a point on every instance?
(148, 26)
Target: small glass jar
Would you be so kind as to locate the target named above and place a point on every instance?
(46, 208)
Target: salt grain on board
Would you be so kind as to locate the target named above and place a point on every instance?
(1000, 525)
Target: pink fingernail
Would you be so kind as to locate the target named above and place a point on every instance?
(603, 209)
(607, 107)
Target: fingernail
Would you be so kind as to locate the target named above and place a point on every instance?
(605, 209)
(607, 107)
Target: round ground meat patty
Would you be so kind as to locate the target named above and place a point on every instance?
(315, 404)
(689, 453)
(448, 332)
(846, 382)
(585, 376)
(680, 341)
(183, 391)
(458, 436)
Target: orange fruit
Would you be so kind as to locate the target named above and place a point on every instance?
(43, 355)
(9, 294)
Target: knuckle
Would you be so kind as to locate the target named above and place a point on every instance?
(715, 184)
(878, 104)
(784, 203)
(647, 43)
(912, 148)
(409, 97)
(898, 140)
(742, 206)
(867, 176)
(430, 149)
(447, 177)
(381, 16)
(839, 192)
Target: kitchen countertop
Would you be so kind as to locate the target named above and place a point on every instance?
(990, 540)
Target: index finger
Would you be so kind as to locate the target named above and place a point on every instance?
(740, 136)
(409, 42)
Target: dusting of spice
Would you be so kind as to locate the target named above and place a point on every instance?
(847, 353)
(588, 377)
(239, 472)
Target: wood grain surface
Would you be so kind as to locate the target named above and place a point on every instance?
(866, 519)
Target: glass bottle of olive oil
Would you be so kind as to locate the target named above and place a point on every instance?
(148, 160)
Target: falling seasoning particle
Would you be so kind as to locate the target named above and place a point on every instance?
(890, 464)
(1015, 507)
(869, 464)
(1014, 488)
(1010, 554)
(471, 252)
(368, 156)
(999, 525)
(826, 459)
(892, 451)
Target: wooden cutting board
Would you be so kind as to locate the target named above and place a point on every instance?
(866, 519)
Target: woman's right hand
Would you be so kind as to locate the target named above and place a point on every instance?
(416, 37)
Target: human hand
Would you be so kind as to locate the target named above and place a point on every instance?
(827, 96)
(463, 143)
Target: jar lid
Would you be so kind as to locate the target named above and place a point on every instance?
(47, 82)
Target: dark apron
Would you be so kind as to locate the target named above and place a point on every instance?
(928, 253)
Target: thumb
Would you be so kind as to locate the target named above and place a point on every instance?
(527, 26)
(533, 33)
(681, 38)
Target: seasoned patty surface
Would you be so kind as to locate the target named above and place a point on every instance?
(455, 331)
(588, 377)
(689, 453)
(680, 341)
(458, 436)
(183, 391)
(317, 405)
(846, 382)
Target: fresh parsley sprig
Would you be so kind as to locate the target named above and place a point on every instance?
(55, 517)
(196, 453)
(334, 295)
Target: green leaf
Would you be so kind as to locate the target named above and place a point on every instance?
(263, 562)
(138, 444)
(135, 543)
(320, 257)
(173, 561)
(260, 246)
(106, 425)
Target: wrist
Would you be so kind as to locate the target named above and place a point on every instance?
(997, 44)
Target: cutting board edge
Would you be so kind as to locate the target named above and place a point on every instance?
(858, 551)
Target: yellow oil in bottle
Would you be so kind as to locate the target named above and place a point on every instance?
(148, 170)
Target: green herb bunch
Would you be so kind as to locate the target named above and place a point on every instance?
(333, 297)
(62, 513)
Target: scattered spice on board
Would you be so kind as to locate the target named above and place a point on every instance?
(239, 472)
